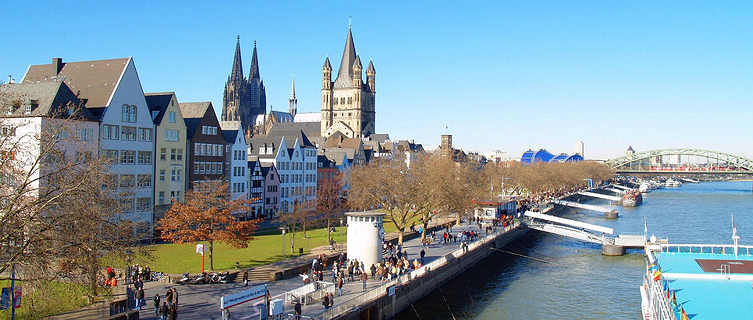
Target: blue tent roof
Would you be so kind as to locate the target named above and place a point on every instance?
(542, 155)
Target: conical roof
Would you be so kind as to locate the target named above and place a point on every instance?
(371, 69)
(253, 73)
(326, 65)
(237, 72)
(345, 74)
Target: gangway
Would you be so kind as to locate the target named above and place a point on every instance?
(577, 224)
(599, 195)
(617, 191)
(622, 187)
(582, 206)
(611, 246)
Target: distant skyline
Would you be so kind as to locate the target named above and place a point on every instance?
(502, 75)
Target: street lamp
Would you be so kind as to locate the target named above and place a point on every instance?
(282, 251)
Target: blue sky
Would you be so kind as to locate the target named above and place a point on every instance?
(500, 75)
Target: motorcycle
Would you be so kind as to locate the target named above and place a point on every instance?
(185, 279)
(219, 277)
(199, 279)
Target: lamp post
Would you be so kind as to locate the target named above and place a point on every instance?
(341, 229)
(504, 192)
(282, 249)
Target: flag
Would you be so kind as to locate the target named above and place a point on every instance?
(674, 299)
(657, 275)
(683, 315)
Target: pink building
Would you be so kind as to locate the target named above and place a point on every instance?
(271, 189)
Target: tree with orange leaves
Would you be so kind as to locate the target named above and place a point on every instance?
(207, 215)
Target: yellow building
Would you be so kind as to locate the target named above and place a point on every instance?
(169, 150)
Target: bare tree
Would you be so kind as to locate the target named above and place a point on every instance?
(330, 201)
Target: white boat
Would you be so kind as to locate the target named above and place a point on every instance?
(672, 183)
(645, 187)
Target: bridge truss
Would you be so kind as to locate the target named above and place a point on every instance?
(640, 162)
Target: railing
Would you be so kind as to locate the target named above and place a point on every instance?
(381, 290)
(658, 305)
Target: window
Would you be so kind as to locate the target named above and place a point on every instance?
(110, 132)
(128, 113)
(145, 134)
(179, 155)
(171, 117)
(128, 133)
(111, 155)
(145, 157)
(162, 175)
(171, 135)
(172, 153)
(196, 150)
(174, 175)
(163, 154)
(143, 204)
(84, 134)
(209, 130)
(127, 181)
(127, 157)
(161, 197)
(111, 182)
(144, 180)
(126, 204)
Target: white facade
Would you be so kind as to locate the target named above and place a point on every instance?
(238, 167)
(297, 170)
(366, 234)
(127, 136)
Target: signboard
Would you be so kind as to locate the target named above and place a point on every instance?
(276, 307)
(17, 296)
(200, 249)
(237, 298)
(5, 299)
(390, 291)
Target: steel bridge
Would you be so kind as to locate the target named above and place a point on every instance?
(645, 162)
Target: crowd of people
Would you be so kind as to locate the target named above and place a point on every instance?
(168, 309)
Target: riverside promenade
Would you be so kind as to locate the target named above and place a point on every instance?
(202, 301)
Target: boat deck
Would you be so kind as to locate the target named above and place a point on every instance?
(703, 289)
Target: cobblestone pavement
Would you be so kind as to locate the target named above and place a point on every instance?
(202, 301)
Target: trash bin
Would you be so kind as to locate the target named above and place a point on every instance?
(300, 252)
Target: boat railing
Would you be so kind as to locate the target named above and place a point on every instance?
(658, 303)
(706, 248)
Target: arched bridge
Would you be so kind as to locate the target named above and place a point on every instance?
(651, 162)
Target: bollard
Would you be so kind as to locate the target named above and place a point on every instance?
(611, 214)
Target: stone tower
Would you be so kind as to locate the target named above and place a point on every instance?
(244, 99)
(348, 102)
(446, 145)
(293, 101)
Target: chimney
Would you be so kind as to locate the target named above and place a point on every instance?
(57, 63)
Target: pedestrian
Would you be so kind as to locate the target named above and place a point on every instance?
(163, 311)
(364, 277)
(156, 304)
(298, 309)
(325, 301)
(373, 271)
(340, 285)
(173, 312)
(245, 278)
(423, 253)
(139, 298)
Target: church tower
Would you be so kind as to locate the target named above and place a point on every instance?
(257, 96)
(293, 101)
(235, 88)
(348, 102)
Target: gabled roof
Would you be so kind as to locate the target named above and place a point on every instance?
(230, 130)
(281, 117)
(50, 98)
(290, 136)
(192, 113)
(93, 80)
(158, 101)
(311, 129)
(345, 74)
(266, 168)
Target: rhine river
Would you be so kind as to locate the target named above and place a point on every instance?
(578, 282)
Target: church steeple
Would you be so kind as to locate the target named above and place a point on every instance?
(253, 73)
(293, 101)
(345, 73)
(237, 73)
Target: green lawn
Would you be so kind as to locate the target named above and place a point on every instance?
(49, 298)
(263, 249)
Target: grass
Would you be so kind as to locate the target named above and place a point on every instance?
(47, 298)
(265, 248)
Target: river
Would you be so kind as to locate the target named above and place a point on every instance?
(576, 281)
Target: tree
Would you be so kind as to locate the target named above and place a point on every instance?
(300, 215)
(330, 200)
(208, 215)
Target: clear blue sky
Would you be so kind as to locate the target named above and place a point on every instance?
(501, 75)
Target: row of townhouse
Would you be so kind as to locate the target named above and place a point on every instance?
(159, 147)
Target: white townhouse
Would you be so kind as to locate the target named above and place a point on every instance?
(295, 159)
(236, 159)
(112, 91)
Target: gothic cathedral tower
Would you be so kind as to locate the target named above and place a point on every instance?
(244, 99)
(348, 102)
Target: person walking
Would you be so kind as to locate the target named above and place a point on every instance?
(156, 304)
(364, 277)
(245, 278)
(163, 311)
(340, 285)
(325, 302)
(422, 254)
(139, 298)
(298, 309)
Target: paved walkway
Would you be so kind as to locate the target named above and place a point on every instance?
(202, 301)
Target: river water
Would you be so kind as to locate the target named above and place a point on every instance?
(578, 282)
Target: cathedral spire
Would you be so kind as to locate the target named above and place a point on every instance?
(345, 73)
(293, 101)
(292, 89)
(254, 72)
(237, 72)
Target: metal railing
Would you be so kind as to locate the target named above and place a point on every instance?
(701, 248)
(381, 290)
(658, 305)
